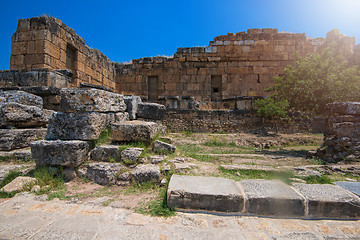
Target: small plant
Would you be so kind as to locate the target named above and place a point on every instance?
(323, 179)
(104, 137)
(187, 133)
(49, 180)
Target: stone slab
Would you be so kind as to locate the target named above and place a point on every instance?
(205, 193)
(17, 154)
(11, 139)
(19, 115)
(59, 153)
(88, 100)
(77, 126)
(325, 200)
(151, 111)
(21, 97)
(134, 131)
(353, 187)
(272, 198)
(18, 184)
(146, 173)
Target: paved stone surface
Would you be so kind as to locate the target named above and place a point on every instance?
(353, 187)
(325, 200)
(206, 193)
(272, 198)
(23, 217)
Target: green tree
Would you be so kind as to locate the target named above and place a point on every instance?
(269, 108)
(316, 80)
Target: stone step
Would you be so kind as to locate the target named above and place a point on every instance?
(262, 197)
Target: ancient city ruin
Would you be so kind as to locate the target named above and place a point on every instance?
(67, 106)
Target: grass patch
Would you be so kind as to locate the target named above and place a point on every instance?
(104, 137)
(50, 181)
(187, 133)
(157, 207)
(323, 179)
(203, 157)
(242, 174)
(136, 188)
(215, 142)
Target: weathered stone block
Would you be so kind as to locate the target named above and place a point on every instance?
(131, 156)
(132, 103)
(151, 111)
(19, 115)
(332, 201)
(59, 153)
(146, 173)
(21, 97)
(205, 193)
(103, 173)
(272, 198)
(19, 138)
(88, 100)
(105, 153)
(118, 118)
(163, 147)
(134, 131)
(76, 126)
(344, 108)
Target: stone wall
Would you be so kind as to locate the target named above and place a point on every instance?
(229, 121)
(45, 42)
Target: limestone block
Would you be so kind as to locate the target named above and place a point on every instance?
(344, 108)
(131, 156)
(59, 153)
(21, 97)
(76, 126)
(132, 103)
(19, 115)
(205, 193)
(105, 153)
(134, 131)
(272, 198)
(103, 173)
(18, 184)
(325, 200)
(19, 138)
(163, 147)
(146, 173)
(87, 100)
(151, 111)
(117, 118)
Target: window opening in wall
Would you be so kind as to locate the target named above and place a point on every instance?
(258, 78)
(71, 57)
(153, 88)
(216, 87)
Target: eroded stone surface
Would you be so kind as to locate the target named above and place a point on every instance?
(272, 198)
(207, 193)
(59, 153)
(132, 103)
(103, 173)
(88, 100)
(146, 173)
(131, 156)
(11, 139)
(134, 131)
(151, 111)
(163, 147)
(326, 200)
(105, 153)
(76, 126)
(21, 97)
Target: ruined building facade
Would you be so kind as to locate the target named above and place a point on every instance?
(234, 68)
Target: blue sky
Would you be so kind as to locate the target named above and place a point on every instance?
(125, 30)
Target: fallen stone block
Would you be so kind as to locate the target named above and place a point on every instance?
(59, 153)
(105, 153)
(272, 198)
(205, 193)
(146, 173)
(18, 184)
(21, 97)
(104, 173)
(151, 111)
(19, 115)
(131, 156)
(128, 131)
(132, 103)
(77, 126)
(11, 139)
(90, 100)
(325, 200)
(163, 147)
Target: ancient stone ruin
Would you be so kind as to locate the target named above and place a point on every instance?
(342, 139)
